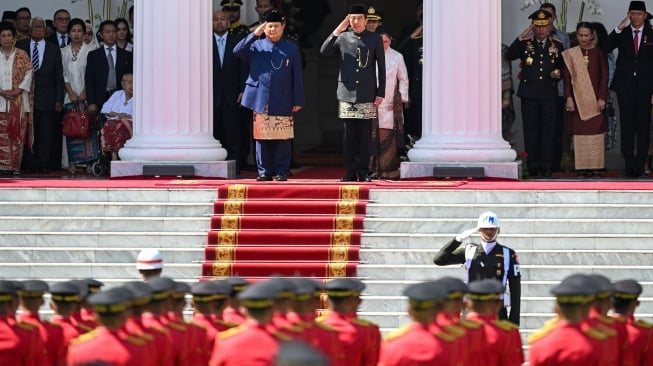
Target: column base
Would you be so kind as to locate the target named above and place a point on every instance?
(212, 169)
(508, 170)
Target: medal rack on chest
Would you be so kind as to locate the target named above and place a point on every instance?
(532, 49)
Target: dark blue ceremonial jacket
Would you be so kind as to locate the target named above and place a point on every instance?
(275, 75)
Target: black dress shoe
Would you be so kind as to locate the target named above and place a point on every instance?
(365, 179)
(281, 178)
(348, 179)
(264, 178)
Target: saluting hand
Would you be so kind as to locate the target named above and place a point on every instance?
(624, 22)
(342, 27)
(417, 33)
(259, 30)
(526, 33)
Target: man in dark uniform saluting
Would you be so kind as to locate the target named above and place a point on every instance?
(359, 92)
(487, 260)
(538, 89)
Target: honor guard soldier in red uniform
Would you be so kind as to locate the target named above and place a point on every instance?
(254, 343)
(415, 344)
(616, 331)
(360, 339)
(323, 337)
(541, 63)
(209, 300)
(502, 342)
(141, 295)
(31, 300)
(65, 301)
(163, 292)
(233, 313)
(20, 343)
(109, 343)
(87, 315)
(489, 259)
(568, 342)
(640, 336)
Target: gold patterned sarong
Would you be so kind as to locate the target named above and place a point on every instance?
(589, 151)
(356, 110)
(268, 127)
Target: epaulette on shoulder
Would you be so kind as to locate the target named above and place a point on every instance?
(363, 322)
(643, 324)
(606, 330)
(84, 337)
(25, 326)
(455, 330)
(447, 337)
(551, 323)
(320, 318)
(325, 327)
(159, 329)
(84, 327)
(145, 336)
(227, 324)
(175, 326)
(134, 340)
(294, 328)
(281, 336)
(397, 333)
(201, 327)
(596, 334)
(505, 325)
(56, 325)
(605, 319)
(557, 40)
(620, 320)
(470, 324)
(231, 332)
(539, 334)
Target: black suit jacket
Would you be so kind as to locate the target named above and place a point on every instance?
(48, 79)
(228, 78)
(632, 70)
(97, 70)
(56, 40)
(360, 55)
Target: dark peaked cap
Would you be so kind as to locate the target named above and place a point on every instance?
(627, 289)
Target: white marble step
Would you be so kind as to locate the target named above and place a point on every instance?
(65, 255)
(106, 239)
(468, 211)
(58, 195)
(106, 209)
(535, 197)
(526, 256)
(101, 224)
(100, 271)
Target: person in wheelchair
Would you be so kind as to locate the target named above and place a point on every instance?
(118, 111)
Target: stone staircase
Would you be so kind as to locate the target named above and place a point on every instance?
(57, 234)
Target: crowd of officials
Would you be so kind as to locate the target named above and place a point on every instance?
(302, 321)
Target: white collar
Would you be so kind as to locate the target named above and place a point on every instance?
(488, 246)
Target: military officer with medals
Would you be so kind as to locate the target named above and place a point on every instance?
(541, 63)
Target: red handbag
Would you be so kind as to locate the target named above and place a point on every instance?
(76, 124)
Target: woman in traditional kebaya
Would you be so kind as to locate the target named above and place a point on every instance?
(15, 105)
(586, 91)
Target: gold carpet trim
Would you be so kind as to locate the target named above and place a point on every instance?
(227, 237)
(226, 253)
(345, 223)
(230, 223)
(346, 208)
(222, 269)
(336, 269)
(237, 192)
(341, 238)
(233, 207)
(338, 254)
(350, 193)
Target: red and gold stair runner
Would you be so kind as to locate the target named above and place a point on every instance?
(260, 230)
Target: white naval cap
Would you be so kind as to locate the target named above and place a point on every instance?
(149, 259)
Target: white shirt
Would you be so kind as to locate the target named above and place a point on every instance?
(6, 69)
(395, 72)
(65, 38)
(488, 246)
(40, 45)
(118, 104)
(73, 71)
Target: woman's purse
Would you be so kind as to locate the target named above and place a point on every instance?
(76, 123)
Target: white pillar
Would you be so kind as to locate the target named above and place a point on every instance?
(173, 82)
(462, 85)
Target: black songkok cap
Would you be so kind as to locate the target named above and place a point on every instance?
(485, 290)
(273, 16)
(9, 15)
(627, 290)
(358, 9)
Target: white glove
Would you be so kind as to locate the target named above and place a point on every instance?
(465, 234)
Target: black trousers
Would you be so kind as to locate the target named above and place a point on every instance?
(46, 125)
(539, 133)
(635, 119)
(356, 146)
(227, 128)
(559, 134)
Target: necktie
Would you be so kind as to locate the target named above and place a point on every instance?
(63, 41)
(111, 77)
(221, 49)
(541, 44)
(636, 41)
(35, 57)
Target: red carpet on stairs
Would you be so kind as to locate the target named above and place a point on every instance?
(260, 230)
